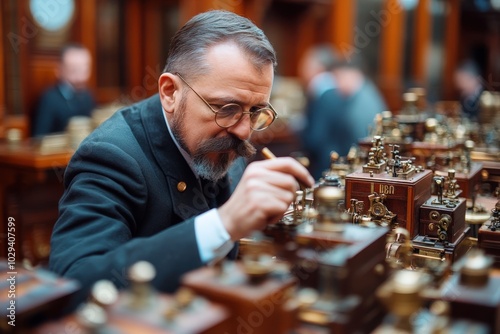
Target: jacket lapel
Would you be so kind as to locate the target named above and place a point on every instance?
(185, 191)
(188, 197)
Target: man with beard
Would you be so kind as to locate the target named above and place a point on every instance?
(155, 181)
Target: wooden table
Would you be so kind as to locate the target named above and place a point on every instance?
(30, 188)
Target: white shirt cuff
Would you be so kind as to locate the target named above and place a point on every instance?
(213, 240)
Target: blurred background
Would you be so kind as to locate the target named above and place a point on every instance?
(404, 43)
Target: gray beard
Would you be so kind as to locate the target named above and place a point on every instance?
(202, 165)
(210, 171)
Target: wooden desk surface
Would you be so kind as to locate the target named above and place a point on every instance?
(25, 154)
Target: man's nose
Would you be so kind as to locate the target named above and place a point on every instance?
(242, 129)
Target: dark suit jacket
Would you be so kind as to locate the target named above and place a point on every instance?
(337, 123)
(57, 105)
(125, 203)
(471, 105)
(324, 131)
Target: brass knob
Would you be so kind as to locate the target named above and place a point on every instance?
(445, 222)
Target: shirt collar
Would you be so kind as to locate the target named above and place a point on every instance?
(66, 90)
(185, 154)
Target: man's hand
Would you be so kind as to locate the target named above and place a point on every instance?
(264, 193)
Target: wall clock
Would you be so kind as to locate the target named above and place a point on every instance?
(52, 16)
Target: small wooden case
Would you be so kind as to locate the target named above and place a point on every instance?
(437, 249)
(29, 296)
(444, 220)
(338, 265)
(489, 240)
(256, 307)
(466, 181)
(403, 197)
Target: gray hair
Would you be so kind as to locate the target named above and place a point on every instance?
(326, 55)
(191, 42)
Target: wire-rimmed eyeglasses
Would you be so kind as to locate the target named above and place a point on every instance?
(230, 114)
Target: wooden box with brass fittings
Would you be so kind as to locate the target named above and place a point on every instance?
(141, 309)
(444, 220)
(403, 197)
(466, 180)
(28, 296)
(261, 301)
(361, 248)
(449, 251)
(168, 316)
(405, 295)
(489, 236)
(337, 264)
(473, 291)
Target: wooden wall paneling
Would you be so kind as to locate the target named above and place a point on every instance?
(2, 73)
(153, 60)
(41, 75)
(421, 42)
(306, 34)
(235, 6)
(392, 55)
(108, 17)
(111, 24)
(189, 8)
(135, 38)
(11, 112)
(493, 76)
(452, 36)
(86, 32)
(343, 26)
(255, 10)
(28, 32)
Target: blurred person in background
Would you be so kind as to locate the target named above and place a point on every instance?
(469, 84)
(315, 73)
(341, 115)
(360, 102)
(69, 97)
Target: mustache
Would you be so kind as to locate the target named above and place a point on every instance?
(242, 147)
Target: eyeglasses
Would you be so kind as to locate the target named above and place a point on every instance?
(230, 114)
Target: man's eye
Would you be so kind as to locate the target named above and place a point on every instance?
(229, 110)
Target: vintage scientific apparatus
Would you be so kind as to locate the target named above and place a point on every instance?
(404, 296)
(442, 232)
(489, 234)
(257, 289)
(141, 309)
(404, 186)
(335, 257)
(473, 291)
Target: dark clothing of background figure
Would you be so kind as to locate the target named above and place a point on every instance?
(315, 109)
(125, 203)
(360, 110)
(321, 131)
(57, 105)
(471, 105)
(337, 123)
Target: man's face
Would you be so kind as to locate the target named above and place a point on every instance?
(466, 83)
(231, 78)
(76, 67)
(347, 80)
(308, 68)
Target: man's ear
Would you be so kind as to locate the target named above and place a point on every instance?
(168, 90)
